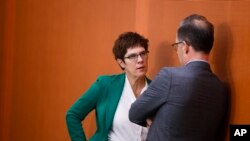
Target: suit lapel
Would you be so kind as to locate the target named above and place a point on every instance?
(114, 94)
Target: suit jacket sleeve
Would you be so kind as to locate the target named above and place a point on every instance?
(79, 110)
(152, 99)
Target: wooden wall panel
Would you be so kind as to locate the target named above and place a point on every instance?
(7, 21)
(54, 50)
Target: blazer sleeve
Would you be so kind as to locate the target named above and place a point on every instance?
(151, 100)
(80, 109)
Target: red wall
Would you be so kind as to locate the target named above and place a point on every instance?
(52, 51)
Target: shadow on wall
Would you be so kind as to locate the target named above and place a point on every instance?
(222, 61)
(165, 57)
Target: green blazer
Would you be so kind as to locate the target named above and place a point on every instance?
(103, 96)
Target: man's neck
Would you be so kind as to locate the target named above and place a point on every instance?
(198, 56)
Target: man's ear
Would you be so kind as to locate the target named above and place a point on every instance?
(186, 48)
(121, 63)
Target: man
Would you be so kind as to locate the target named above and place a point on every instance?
(187, 103)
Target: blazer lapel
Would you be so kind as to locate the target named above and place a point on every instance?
(114, 94)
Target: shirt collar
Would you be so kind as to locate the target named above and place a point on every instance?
(128, 85)
(194, 60)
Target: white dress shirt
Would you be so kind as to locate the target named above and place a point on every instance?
(122, 129)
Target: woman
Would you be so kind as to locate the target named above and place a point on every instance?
(112, 96)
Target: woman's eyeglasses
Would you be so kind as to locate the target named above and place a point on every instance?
(134, 57)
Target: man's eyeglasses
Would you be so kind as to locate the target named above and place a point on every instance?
(175, 45)
(134, 57)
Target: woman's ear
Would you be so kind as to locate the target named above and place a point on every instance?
(121, 63)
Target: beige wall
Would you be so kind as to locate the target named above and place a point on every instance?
(53, 50)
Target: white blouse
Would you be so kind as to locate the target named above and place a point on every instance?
(122, 129)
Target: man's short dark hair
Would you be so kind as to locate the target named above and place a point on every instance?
(198, 32)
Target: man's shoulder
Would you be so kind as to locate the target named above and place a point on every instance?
(171, 69)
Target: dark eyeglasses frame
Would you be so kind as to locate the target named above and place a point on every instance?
(174, 45)
(134, 57)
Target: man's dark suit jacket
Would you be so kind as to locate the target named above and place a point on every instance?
(188, 103)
